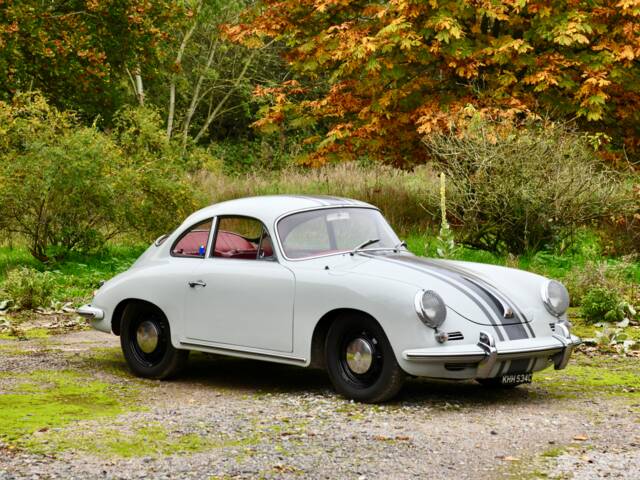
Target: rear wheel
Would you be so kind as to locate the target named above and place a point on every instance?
(145, 339)
(360, 361)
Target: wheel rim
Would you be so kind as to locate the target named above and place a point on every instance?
(359, 355)
(147, 336)
(361, 358)
(148, 340)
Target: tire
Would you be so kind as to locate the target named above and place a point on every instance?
(383, 378)
(494, 383)
(163, 361)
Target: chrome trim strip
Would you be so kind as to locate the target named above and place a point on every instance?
(459, 357)
(464, 356)
(258, 355)
(487, 354)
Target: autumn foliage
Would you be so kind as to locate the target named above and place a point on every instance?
(375, 77)
(76, 50)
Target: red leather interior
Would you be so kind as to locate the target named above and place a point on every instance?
(190, 244)
(232, 245)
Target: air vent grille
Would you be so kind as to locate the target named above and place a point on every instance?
(455, 336)
(456, 367)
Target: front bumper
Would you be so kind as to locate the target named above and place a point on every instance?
(90, 313)
(485, 355)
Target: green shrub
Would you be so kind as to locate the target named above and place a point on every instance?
(522, 189)
(621, 276)
(602, 304)
(27, 288)
(66, 187)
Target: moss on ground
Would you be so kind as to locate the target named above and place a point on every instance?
(110, 360)
(142, 440)
(600, 375)
(29, 334)
(44, 400)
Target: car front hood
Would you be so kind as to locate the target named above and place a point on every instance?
(483, 294)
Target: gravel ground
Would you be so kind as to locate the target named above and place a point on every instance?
(271, 421)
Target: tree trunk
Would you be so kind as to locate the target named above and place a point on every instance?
(176, 66)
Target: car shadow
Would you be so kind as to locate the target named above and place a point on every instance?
(252, 376)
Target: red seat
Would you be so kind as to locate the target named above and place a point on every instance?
(232, 245)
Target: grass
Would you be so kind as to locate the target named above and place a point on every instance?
(553, 264)
(78, 276)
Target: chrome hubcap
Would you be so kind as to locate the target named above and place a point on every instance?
(147, 336)
(359, 356)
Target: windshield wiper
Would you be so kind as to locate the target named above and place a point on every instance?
(402, 244)
(364, 244)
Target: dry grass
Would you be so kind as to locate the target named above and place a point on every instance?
(409, 199)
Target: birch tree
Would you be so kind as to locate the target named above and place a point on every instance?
(211, 79)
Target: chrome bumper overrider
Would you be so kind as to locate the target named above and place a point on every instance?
(90, 313)
(486, 353)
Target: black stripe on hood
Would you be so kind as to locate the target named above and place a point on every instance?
(422, 269)
(464, 281)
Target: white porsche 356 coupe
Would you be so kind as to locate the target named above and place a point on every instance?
(325, 282)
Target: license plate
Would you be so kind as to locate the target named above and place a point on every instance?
(516, 378)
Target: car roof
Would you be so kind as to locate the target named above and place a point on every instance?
(268, 208)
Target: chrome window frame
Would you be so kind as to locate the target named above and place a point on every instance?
(214, 233)
(173, 244)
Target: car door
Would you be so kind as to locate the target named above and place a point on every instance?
(241, 295)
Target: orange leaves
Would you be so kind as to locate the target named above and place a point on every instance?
(379, 75)
(629, 7)
(593, 95)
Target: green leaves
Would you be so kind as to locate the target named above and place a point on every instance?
(66, 187)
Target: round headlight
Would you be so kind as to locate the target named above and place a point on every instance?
(430, 308)
(555, 297)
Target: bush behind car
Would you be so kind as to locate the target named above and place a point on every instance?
(66, 187)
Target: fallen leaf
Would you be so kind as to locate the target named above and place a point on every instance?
(581, 438)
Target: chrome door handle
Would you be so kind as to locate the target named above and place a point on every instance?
(197, 283)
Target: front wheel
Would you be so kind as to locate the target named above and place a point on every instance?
(145, 339)
(360, 361)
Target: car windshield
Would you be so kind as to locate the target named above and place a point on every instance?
(334, 230)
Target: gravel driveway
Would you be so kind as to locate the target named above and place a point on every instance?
(228, 418)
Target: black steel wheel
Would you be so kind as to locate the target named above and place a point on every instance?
(145, 338)
(360, 361)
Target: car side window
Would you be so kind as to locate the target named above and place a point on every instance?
(193, 242)
(242, 238)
